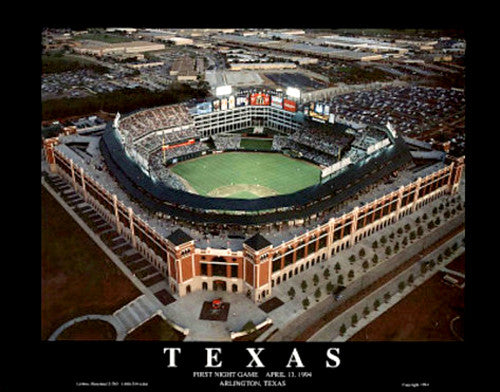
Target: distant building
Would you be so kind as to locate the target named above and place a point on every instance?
(148, 64)
(175, 40)
(187, 68)
(128, 30)
(240, 66)
(99, 48)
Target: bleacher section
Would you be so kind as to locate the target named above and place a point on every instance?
(322, 139)
(303, 151)
(224, 142)
(154, 141)
(139, 124)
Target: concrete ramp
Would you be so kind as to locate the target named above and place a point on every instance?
(136, 313)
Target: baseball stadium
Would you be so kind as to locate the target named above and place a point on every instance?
(247, 188)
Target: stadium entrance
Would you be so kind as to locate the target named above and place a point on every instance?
(219, 285)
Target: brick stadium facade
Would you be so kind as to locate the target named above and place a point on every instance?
(259, 266)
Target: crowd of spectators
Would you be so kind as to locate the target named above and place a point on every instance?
(224, 142)
(322, 139)
(153, 141)
(162, 173)
(179, 152)
(285, 143)
(141, 123)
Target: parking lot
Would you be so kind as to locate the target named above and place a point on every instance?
(416, 111)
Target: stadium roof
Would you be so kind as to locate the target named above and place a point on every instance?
(257, 242)
(179, 237)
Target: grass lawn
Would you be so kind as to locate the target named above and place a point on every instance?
(256, 144)
(249, 175)
(89, 330)
(155, 329)
(62, 63)
(77, 276)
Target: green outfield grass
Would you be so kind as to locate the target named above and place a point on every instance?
(247, 175)
(256, 144)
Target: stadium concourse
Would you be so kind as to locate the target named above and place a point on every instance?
(371, 178)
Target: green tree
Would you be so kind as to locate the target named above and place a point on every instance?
(400, 231)
(396, 247)
(383, 240)
(315, 279)
(401, 286)
(425, 217)
(434, 211)
(459, 207)
(340, 279)
(387, 297)
(326, 273)
(440, 258)
(405, 241)
(420, 231)
(352, 259)
(407, 227)
(447, 251)
(413, 235)
(337, 267)
(362, 253)
(432, 264)
(305, 303)
(375, 245)
(431, 225)
(350, 274)
(388, 251)
(446, 214)
(454, 247)
(354, 319)
(376, 304)
(366, 311)
(342, 330)
(303, 286)
(441, 207)
(437, 221)
(391, 236)
(411, 279)
(417, 221)
(375, 259)
(291, 293)
(365, 265)
(329, 287)
(423, 268)
(317, 294)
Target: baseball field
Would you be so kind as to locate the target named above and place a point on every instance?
(246, 175)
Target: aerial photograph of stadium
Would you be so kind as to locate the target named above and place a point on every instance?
(258, 185)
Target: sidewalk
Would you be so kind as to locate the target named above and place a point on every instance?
(330, 332)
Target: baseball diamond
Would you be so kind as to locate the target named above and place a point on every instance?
(258, 174)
